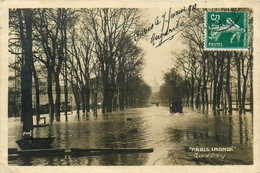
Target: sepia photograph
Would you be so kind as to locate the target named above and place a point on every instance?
(123, 86)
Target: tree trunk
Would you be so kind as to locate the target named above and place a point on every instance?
(192, 90)
(210, 95)
(126, 101)
(87, 99)
(109, 101)
(66, 95)
(76, 97)
(66, 75)
(112, 89)
(126, 91)
(37, 92)
(83, 94)
(238, 59)
(198, 95)
(107, 97)
(114, 103)
(225, 104)
(121, 87)
(206, 92)
(220, 83)
(26, 87)
(207, 99)
(105, 89)
(251, 86)
(244, 92)
(204, 88)
(50, 95)
(103, 105)
(58, 94)
(228, 90)
(215, 81)
(121, 98)
(77, 100)
(26, 76)
(245, 77)
(188, 98)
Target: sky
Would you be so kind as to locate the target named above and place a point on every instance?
(158, 60)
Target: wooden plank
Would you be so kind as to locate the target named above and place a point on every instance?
(12, 150)
(41, 152)
(112, 150)
(76, 151)
(41, 125)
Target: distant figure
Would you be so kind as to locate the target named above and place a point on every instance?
(157, 104)
(171, 108)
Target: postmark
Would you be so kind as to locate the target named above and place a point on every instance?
(226, 31)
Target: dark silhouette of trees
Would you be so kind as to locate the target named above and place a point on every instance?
(82, 51)
(109, 29)
(22, 29)
(173, 87)
(216, 77)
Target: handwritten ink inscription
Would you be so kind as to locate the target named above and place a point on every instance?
(165, 22)
(30, 133)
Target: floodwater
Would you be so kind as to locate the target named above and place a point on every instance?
(190, 138)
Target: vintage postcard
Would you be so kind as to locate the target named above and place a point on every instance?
(99, 86)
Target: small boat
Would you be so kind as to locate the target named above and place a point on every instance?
(129, 119)
(35, 143)
(132, 131)
(28, 142)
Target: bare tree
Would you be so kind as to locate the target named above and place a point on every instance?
(109, 28)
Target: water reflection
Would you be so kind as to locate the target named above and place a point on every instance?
(168, 134)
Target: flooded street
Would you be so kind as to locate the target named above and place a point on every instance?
(172, 137)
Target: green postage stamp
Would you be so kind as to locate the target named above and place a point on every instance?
(226, 31)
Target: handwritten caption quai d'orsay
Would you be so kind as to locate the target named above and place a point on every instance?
(169, 24)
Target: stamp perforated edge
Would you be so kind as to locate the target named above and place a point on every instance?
(224, 49)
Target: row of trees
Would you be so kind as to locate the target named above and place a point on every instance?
(83, 51)
(211, 78)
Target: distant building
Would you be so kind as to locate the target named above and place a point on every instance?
(155, 86)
